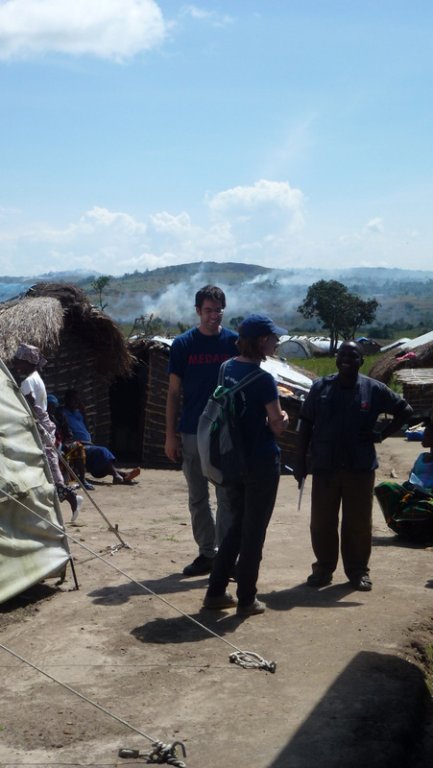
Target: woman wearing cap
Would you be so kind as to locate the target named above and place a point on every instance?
(252, 497)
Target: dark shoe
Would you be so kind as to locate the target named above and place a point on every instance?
(199, 567)
(253, 609)
(88, 486)
(319, 579)
(362, 584)
(217, 602)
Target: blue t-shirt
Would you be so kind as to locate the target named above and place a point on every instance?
(76, 424)
(258, 439)
(196, 359)
(423, 469)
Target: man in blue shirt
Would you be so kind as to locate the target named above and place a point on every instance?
(338, 422)
(195, 359)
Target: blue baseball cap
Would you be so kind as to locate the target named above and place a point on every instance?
(259, 325)
(53, 400)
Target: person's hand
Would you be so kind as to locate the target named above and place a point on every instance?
(173, 448)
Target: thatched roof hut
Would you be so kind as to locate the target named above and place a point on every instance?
(83, 346)
(396, 360)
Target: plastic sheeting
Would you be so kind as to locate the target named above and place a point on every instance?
(30, 549)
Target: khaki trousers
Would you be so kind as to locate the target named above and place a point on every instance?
(353, 491)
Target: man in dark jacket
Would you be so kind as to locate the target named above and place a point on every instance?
(339, 425)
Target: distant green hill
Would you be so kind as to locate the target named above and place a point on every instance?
(152, 282)
(404, 296)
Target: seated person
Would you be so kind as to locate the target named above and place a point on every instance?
(72, 450)
(408, 506)
(99, 460)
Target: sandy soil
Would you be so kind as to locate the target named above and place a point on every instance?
(123, 642)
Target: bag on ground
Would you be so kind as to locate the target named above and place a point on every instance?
(407, 509)
(219, 440)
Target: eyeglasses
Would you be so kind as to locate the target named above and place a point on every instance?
(207, 311)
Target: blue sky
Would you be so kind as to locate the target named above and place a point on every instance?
(289, 133)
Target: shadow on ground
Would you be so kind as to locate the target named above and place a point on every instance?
(371, 716)
(172, 584)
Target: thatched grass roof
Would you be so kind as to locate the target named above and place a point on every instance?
(389, 362)
(48, 311)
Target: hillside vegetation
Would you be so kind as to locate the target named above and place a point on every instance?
(165, 296)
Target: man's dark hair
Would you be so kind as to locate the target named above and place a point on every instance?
(211, 292)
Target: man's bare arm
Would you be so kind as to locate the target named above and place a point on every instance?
(172, 445)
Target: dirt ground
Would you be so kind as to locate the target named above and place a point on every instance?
(123, 642)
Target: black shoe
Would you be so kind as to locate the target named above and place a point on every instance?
(199, 567)
(319, 579)
(362, 583)
(219, 602)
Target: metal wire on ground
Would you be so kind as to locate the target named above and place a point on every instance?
(161, 753)
(246, 659)
(160, 748)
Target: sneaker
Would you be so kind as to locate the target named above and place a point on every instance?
(319, 579)
(199, 567)
(362, 583)
(252, 609)
(76, 511)
(88, 486)
(217, 602)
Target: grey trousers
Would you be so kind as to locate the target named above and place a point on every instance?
(207, 533)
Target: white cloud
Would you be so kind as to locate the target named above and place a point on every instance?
(263, 193)
(201, 14)
(257, 224)
(176, 226)
(105, 218)
(107, 29)
(375, 225)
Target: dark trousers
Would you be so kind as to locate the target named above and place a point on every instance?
(354, 492)
(252, 503)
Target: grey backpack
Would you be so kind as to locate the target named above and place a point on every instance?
(219, 440)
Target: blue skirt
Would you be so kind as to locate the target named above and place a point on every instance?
(98, 459)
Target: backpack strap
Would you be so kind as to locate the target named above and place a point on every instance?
(250, 377)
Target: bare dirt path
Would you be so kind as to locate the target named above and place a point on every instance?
(342, 656)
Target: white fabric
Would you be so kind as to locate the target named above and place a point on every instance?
(30, 549)
(33, 385)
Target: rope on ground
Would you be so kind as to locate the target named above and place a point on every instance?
(168, 749)
(254, 660)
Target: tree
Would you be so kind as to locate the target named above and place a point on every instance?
(358, 313)
(339, 311)
(147, 326)
(99, 285)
